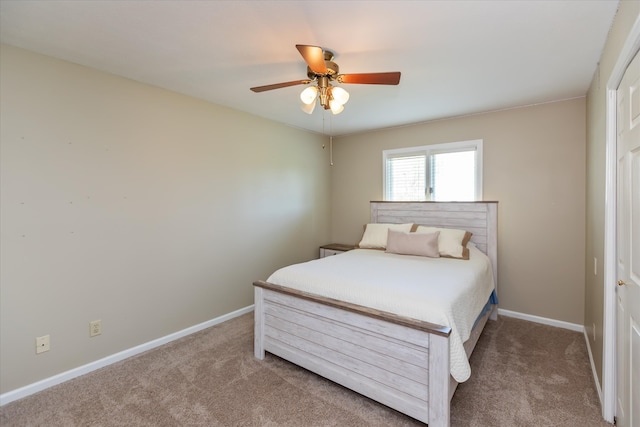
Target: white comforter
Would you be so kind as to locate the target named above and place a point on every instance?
(443, 291)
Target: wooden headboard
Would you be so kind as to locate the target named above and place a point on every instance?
(480, 218)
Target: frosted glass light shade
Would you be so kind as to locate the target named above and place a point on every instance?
(308, 108)
(308, 96)
(340, 95)
(336, 107)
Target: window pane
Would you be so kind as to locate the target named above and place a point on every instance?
(406, 178)
(453, 176)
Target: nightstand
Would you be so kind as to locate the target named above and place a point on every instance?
(334, 249)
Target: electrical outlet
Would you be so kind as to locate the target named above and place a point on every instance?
(95, 328)
(42, 344)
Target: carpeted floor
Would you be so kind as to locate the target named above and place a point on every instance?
(523, 374)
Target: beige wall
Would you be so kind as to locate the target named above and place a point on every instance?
(534, 165)
(628, 13)
(149, 210)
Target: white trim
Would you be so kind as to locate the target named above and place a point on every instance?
(628, 51)
(609, 271)
(30, 389)
(593, 366)
(544, 320)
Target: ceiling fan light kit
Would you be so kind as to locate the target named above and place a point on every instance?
(331, 97)
(322, 70)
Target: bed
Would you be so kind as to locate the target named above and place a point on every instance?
(401, 361)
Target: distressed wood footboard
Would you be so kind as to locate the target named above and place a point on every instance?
(400, 362)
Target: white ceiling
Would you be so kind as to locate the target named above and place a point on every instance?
(456, 57)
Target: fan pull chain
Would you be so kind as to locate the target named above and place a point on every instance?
(331, 150)
(330, 141)
(330, 137)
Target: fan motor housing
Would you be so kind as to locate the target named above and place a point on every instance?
(332, 70)
(332, 67)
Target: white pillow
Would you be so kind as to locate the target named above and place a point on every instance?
(375, 235)
(452, 243)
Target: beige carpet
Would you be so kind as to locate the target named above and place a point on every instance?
(523, 374)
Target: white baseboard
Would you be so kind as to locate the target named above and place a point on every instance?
(544, 320)
(593, 366)
(30, 389)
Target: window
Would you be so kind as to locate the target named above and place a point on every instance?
(440, 172)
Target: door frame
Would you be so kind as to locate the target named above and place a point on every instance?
(628, 51)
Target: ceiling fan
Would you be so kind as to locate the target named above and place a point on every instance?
(322, 70)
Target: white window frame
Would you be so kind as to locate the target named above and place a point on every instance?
(428, 150)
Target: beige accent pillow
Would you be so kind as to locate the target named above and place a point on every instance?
(420, 244)
(452, 243)
(375, 235)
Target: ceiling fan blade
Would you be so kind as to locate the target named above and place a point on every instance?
(314, 57)
(392, 78)
(279, 85)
